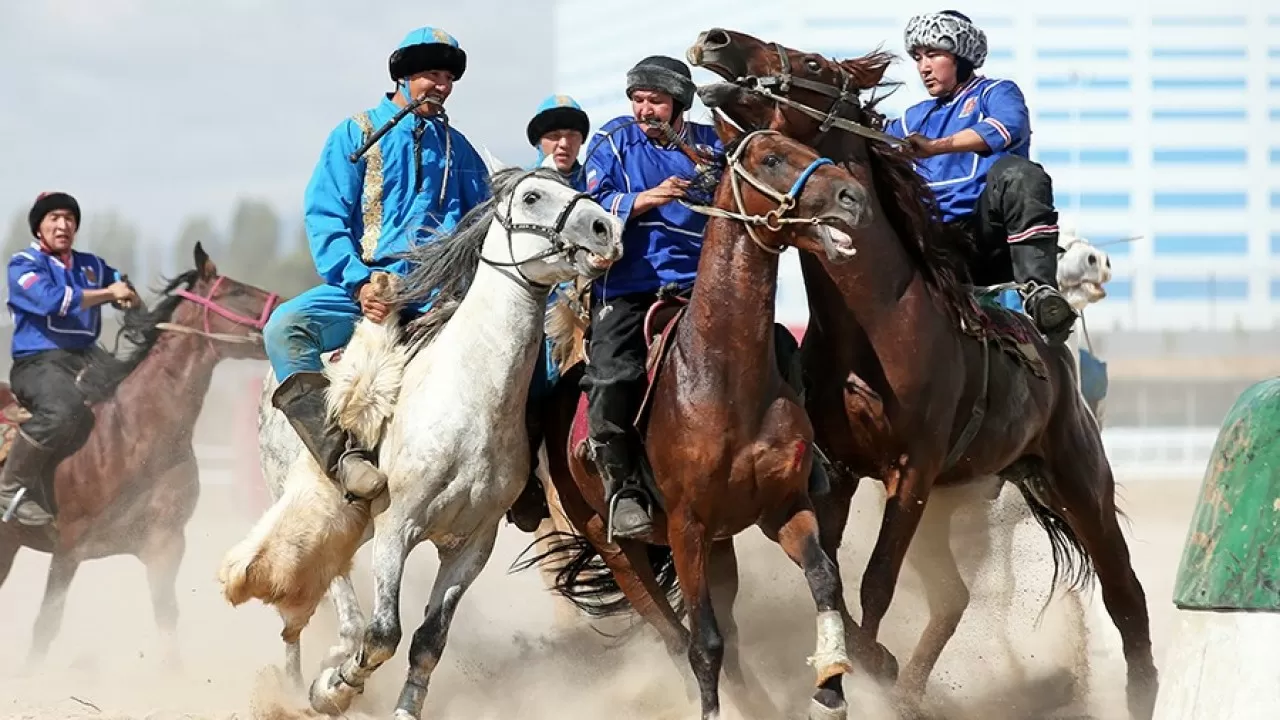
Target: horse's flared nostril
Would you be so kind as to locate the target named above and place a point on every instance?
(600, 228)
(715, 39)
(849, 198)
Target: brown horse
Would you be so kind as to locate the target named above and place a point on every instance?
(728, 443)
(132, 487)
(903, 383)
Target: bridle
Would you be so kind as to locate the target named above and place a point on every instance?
(207, 302)
(774, 220)
(553, 234)
(776, 87)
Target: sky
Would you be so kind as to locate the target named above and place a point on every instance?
(165, 108)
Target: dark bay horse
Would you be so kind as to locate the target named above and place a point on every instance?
(133, 486)
(727, 440)
(909, 381)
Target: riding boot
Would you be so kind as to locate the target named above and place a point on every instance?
(623, 488)
(1035, 262)
(27, 471)
(530, 508)
(301, 397)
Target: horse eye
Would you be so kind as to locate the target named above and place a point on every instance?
(772, 160)
(813, 64)
(531, 197)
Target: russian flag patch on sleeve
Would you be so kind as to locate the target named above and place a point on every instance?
(27, 280)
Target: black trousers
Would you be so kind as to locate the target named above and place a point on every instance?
(1015, 226)
(45, 384)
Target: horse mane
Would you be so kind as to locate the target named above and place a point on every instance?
(445, 265)
(108, 368)
(911, 208)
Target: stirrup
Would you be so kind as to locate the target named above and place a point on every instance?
(613, 507)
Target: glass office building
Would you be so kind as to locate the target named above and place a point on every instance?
(1158, 120)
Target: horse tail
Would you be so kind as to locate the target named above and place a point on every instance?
(1072, 567)
(365, 384)
(583, 578)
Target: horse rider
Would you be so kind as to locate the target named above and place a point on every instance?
(637, 173)
(972, 142)
(557, 130)
(421, 177)
(55, 299)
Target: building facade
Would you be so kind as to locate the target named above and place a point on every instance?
(1159, 121)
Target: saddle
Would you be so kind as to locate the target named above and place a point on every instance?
(1011, 331)
(12, 414)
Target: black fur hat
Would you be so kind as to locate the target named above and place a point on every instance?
(664, 74)
(47, 202)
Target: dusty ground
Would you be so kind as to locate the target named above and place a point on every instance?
(507, 659)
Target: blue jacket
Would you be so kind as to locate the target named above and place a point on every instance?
(44, 300)
(360, 216)
(993, 108)
(662, 245)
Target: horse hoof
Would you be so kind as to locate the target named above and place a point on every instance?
(329, 694)
(826, 705)
(403, 715)
(886, 665)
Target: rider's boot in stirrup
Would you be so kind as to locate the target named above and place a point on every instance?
(1035, 262)
(623, 489)
(301, 397)
(26, 482)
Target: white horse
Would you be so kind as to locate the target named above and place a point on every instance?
(455, 450)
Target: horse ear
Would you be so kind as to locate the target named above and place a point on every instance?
(204, 265)
(726, 130)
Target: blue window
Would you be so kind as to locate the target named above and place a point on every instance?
(1275, 82)
(1199, 21)
(1219, 288)
(1275, 156)
(1120, 289)
(1054, 157)
(1063, 82)
(1201, 244)
(1221, 82)
(1275, 199)
(1275, 114)
(1204, 114)
(1053, 115)
(1191, 200)
(1275, 243)
(1200, 53)
(1200, 156)
(1105, 114)
(1078, 21)
(1104, 156)
(1098, 53)
(1104, 201)
(1091, 114)
(1274, 53)
(1275, 289)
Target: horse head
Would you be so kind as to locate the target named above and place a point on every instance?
(1083, 270)
(802, 95)
(552, 233)
(230, 313)
(791, 195)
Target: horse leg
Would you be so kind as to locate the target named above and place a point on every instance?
(797, 533)
(723, 574)
(162, 556)
(689, 547)
(832, 513)
(948, 596)
(907, 494)
(350, 620)
(62, 570)
(8, 551)
(334, 688)
(459, 567)
(1090, 514)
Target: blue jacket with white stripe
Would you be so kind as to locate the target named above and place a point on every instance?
(993, 108)
(660, 246)
(45, 293)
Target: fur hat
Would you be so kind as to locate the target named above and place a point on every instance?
(424, 49)
(664, 74)
(948, 30)
(47, 202)
(558, 112)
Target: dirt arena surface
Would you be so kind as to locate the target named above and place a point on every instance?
(508, 659)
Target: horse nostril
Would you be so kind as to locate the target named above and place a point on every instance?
(848, 199)
(716, 39)
(600, 228)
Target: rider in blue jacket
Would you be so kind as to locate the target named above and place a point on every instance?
(557, 129)
(973, 144)
(55, 297)
(421, 177)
